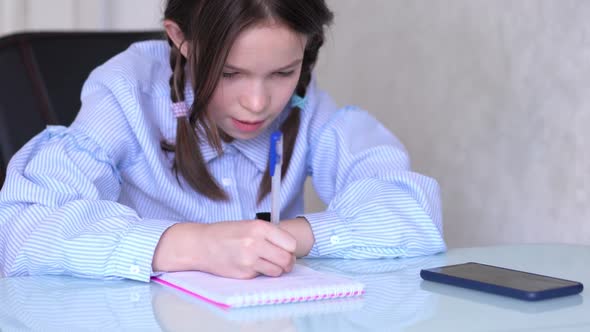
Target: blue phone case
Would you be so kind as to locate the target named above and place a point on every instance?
(436, 275)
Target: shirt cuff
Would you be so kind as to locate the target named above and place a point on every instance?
(331, 233)
(133, 257)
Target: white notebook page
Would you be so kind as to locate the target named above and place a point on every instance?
(301, 284)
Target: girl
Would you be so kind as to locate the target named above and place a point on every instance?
(166, 164)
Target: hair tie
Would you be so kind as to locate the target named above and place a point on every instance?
(298, 101)
(180, 109)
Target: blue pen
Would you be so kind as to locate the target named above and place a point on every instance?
(276, 161)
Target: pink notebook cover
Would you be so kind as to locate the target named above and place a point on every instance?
(300, 285)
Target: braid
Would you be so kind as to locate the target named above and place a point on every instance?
(177, 80)
(290, 127)
(186, 147)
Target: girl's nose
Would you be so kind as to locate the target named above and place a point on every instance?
(255, 100)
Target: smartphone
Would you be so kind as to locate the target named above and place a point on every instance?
(501, 281)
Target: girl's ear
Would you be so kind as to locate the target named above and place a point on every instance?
(175, 34)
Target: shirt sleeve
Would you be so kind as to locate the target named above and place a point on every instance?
(58, 208)
(377, 207)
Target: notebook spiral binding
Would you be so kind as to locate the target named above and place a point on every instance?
(294, 296)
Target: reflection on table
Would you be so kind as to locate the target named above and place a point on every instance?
(393, 298)
(396, 299)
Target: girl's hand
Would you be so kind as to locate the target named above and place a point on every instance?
(238, 249)
(244, 249)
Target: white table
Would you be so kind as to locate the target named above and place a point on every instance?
(396, 299)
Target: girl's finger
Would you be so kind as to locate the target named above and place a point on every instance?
(267, 268)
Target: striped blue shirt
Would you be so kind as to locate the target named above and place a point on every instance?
(93, 199)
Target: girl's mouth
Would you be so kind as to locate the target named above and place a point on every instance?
(245, 126)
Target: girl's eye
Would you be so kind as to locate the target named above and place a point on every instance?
(229, 75)
(284, 73)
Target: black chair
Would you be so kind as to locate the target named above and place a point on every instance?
(41, 77)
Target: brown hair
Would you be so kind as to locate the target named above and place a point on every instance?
(211, 26)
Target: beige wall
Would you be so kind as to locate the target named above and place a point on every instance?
(491, 97)
(19, 15)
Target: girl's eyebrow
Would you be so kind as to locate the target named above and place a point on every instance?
(292, 64)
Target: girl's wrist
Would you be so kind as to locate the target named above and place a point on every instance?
(301, 230)
(181, 248)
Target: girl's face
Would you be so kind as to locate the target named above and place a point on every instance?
(259, 78)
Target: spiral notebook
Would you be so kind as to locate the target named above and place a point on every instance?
(300, 285)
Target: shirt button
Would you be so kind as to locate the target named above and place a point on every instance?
(334, 239)
(226, 182)
(134, 269)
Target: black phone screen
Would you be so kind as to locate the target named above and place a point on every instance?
(504, 277)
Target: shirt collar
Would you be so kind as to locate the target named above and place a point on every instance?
(256, 149)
